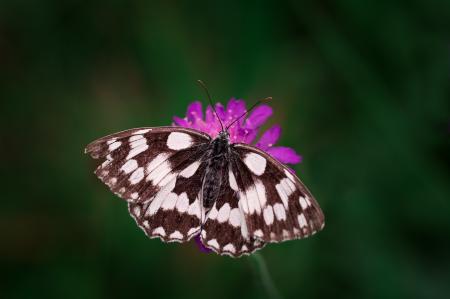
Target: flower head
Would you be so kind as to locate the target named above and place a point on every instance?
(243, 131)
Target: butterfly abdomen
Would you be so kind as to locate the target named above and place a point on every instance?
(216, 159)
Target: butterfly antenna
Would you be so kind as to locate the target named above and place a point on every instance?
(203, 85)
(248, 111)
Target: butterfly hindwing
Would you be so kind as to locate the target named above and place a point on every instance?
(174, 213)
(225, 230)
(276, 204)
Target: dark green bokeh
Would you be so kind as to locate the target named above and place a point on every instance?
(361, 89)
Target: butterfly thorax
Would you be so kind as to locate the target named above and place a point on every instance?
(216, 159)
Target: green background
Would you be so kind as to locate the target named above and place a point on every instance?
(361, 89)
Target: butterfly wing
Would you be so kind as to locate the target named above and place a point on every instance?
(225, 230)
(175, 212)
(276, 204)
(159, 172)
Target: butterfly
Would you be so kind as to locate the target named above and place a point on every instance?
(180, 183)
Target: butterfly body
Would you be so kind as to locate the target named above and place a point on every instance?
(180, 183)
(216, 158)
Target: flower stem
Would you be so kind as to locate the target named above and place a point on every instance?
(264, 274)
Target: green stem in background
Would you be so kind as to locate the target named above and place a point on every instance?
(263, 273)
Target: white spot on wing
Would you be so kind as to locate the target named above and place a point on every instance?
(190, 170)
(183, 202)
(253, 200)
(224, 213)
(114, 145)
(279, 211)
(159, 173)
(244, 228)
(232, 180)
(213, 213)
(258, 233)
(282, 194)
(235, 217)
(137, 142)
(288, 186)
(256, 163)
(156, 161)
(142, 131)
(170, 176)
(194, 209)
(135, 137)
(229, 247)
(193, 231)
(176, 235)
(213, 243)
(111, 141)
(243, 202)
(159, 231)
(160, 196)
(105, 163)
(178, 141)
(289, 175)
(261, 191)
(308, 201)
(129, 166)
(303, 202)
(268, 215)
(169, 202)
(137, 211)
(137, 150)
(302, 220)
(137, 176)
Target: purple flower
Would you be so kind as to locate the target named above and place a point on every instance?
(243, 131)
(200, 245)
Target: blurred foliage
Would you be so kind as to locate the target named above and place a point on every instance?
(361, 89)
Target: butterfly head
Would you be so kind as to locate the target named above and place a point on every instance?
(224, 134)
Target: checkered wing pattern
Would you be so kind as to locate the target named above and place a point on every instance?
(159, 172)
(261, 201)
(276, 205)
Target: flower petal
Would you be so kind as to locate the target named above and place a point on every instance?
(200, 245)
(235, 108)
(284, 154)
(220, 111)
(209, 116)
(248, 135)
(269, 137)
(194, 112)
(180, 122)
(258, 116)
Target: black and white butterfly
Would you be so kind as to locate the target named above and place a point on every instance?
(180, 183)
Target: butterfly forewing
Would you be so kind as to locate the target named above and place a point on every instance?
(138, 162)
